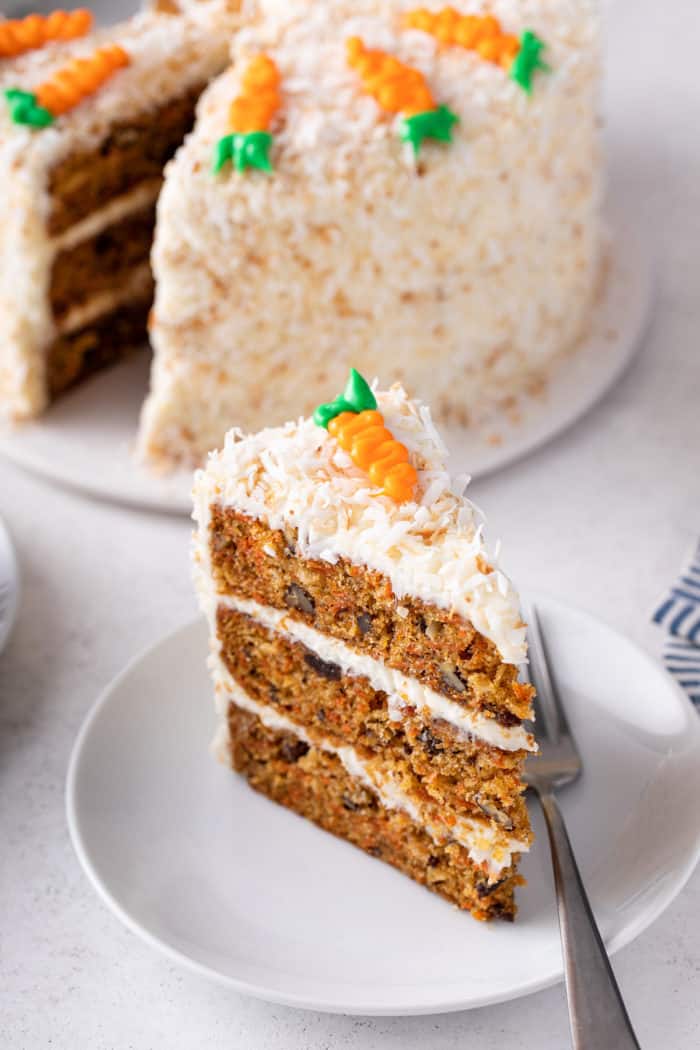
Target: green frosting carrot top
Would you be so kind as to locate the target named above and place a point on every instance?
(356, 397)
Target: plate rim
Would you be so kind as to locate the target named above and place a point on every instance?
(625, 245)
(651, 913)
(9, 554)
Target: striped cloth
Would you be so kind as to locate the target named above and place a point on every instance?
(679, 615)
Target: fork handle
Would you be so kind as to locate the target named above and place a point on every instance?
(597, 1013)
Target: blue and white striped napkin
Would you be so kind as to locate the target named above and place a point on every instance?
(679, 615)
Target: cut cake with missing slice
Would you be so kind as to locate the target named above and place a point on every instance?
(364, 646)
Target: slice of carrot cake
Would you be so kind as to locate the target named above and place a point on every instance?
(364, 644)
(88, 119)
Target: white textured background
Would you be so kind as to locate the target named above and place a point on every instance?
(601, 518)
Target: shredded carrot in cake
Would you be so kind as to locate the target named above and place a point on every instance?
(480, 33)
(80, 78)
(18, 35)
(374, 448)
(259, 99)
(397, 88)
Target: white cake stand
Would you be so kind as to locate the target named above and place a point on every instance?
(86, 439)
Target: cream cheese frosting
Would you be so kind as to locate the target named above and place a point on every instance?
(296, 476)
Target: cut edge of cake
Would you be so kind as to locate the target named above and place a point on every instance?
(364, 653)
(80, 195)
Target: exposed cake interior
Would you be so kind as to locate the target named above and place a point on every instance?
(103, 214)
(365, 653)
(83, 192)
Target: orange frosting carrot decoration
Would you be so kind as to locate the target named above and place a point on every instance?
(80, 78)
(18, 35)
(259, 99)
(480, 33)
(65, 88)
(353, 420)
(374, 448)
(483, 34)
(399, 88)
(248, 142)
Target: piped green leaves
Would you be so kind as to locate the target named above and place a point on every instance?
(528, 60)
(253, 151)
(223, 153)
(433, 124)
(244, 150)
(358, 392)
(24, 109)
(356, 397)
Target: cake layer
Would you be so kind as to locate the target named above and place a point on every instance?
(427, 757)
(135, 150)
(315, 784)
(104, 341)
(102, 262)
(357, 605)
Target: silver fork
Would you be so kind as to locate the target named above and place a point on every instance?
(597, 1014)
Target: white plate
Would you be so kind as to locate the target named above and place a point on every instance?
(9, 585)
(85, 441)
(254, 897)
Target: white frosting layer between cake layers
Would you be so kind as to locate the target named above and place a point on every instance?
(118, 208)
(296, 476)
(137, 286)
(483, 842)
(401, 690)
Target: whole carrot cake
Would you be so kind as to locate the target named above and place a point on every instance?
(365, 645)
(88, 119)
(414, 189)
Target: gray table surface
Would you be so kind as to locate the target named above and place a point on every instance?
(601, 518)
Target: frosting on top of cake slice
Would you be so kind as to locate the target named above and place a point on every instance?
(433, 548)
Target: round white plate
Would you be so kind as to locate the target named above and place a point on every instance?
(9, 585)
(85, 441)
(252, 896)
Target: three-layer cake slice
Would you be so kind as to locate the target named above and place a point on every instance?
(364, 645)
